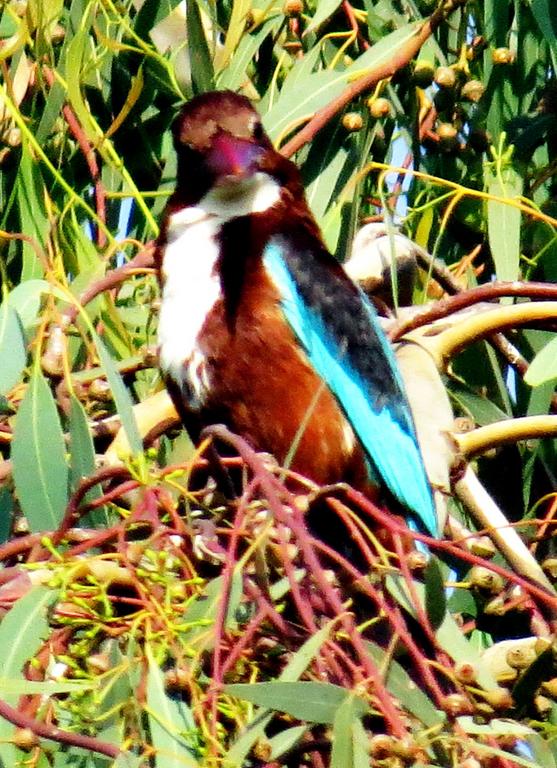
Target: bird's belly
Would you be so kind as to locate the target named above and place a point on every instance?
(264, 388)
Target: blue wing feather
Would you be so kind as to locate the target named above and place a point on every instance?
(385, 429)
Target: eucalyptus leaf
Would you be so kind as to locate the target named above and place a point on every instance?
(324, 9)
(39, 457)
(503, 221)
(543, 367)
(22, 630)
(171, 722)
(13, 353)
(310, 701)
(121, 396)
(403, 688)
(435, 599)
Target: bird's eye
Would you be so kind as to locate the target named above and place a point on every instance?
(257, 131)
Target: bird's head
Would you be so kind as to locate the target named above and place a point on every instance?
(222, 148)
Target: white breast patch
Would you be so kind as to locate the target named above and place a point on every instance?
(192, 286)
(191, 290)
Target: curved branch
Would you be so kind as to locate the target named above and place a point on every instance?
(504, 432)
(469, 329)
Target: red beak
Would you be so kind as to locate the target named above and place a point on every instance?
(231, 156)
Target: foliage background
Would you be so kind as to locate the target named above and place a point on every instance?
(94, 612)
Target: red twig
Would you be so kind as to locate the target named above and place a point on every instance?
(46, 731)
(393, 525)
(294, 520)
(490, 292)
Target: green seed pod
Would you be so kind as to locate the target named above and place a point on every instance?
(485, 580)
(380, 108)
(352, 121)
(502, 56)
(445, 77)
(473, 91)
(448, 137)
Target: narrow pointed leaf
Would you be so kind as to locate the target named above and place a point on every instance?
(435, 600)
(285, 740)
(170, 721)
(503, 222)
(315, 702)
(324, 9)
(82, 459)
(121, 397)
(292, 672)
(38, 454)
(201, 62)
(342, 753)
(22, 631)
(544, 366)
(13, 354)
(399, 683)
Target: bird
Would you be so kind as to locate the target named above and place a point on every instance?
(261, 329)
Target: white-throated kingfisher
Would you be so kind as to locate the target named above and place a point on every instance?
(261, 329)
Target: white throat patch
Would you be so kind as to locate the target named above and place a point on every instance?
(192, 285)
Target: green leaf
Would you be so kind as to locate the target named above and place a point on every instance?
(6, 513)
(235, 73)
(26, 299)
(360, 745)
(121, 396)
(19, 687)
(201, 613)
(150, 14)
(495, 727)
(435, 599)
(38, 454)
(33, 220)
(293, 107)
(127, 760)
(545, 14)
(13, 354)
(234, 32)
(400, 684)
(78, 53)
(285, 740)
(201, 62)
(342, 753)
(22, 631)
(324, 164)
(320, 88)
(503, 221)
(171, 722)
(297, 665)
(311, 701)
(543, 367)
(82, 459)
(324, 9)
(482, 410)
